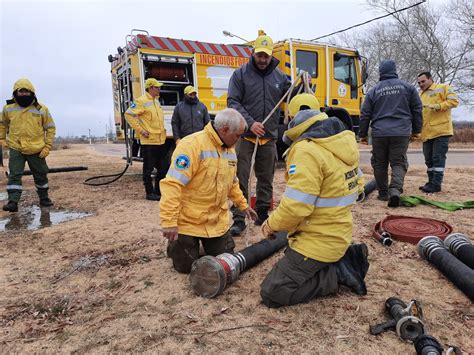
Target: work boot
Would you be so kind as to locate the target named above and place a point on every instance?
(153, 197)
(11, 206)
(382, 197)
(46, 202)
(352, 268)
(262, 215)
(424, 186)
(394, 200)
(237, 228)
(431, 188)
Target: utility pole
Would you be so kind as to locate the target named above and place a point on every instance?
(90, 139)
(106, 134)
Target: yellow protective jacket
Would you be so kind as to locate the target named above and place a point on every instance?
(145, 113)
(323, 183)
(195, 192)
(29, 129)
(437, 123)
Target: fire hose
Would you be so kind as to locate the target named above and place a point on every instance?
(432, 249)
(461, 246)
(408, 229)
(210, 275)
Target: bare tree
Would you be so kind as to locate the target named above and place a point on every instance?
(435, 38)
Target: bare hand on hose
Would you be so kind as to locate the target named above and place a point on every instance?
(258, 129)
(170, 233)
(364, 140)
(144, 133)
(267, 232)
(250, 213)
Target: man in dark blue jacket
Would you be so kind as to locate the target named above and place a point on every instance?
(254, 90)
(393, 110)
(189, 115)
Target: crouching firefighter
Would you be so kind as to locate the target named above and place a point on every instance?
(323, 183)
(26, 126)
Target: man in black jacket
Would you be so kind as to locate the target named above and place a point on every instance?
(394, 111)
(189, 116)
(254, 90)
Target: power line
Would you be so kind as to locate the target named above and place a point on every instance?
(374, 19)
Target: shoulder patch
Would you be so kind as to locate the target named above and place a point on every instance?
(133, 105)
(292, 169)
(182, 162)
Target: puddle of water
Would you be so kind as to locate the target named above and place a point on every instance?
(34, 217)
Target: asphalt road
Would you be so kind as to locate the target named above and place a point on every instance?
(456, 157)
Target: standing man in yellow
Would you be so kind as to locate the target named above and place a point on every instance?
(26, 126)
(146, 117)
(323, 183)
(196, 190)
(438, 100)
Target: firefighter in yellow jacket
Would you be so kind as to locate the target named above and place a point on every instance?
(323, 183)
(438, 100)
(194, 205)
(146, 118)
(27, 128)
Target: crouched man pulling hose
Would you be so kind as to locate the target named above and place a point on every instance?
(323, 183)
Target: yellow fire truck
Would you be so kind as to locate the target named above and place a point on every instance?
(337, 74)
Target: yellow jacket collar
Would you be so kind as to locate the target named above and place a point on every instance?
(212, 133)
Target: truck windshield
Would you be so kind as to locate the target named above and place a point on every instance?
(307, 61)
(344, 69)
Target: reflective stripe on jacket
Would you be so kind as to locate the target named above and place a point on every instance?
(145, 113)
(29, 129)
(438, 123)
(201, 179)
(323, 183)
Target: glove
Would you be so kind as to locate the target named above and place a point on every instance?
(44, 152)
(415, 137)
(4, 143)
(267, 232)
(364, 140)
(435, 107)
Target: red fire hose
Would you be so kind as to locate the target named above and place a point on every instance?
(409, 229)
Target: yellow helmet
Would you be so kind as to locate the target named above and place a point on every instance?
(302, 100)
(263, 43)
(152, 82)
(189, 89)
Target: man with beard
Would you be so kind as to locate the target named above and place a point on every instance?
(189, 116)
(254, 90)
(26, 126)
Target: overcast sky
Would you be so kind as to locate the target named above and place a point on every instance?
(62, 46)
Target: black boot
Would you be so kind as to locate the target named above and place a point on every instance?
(237, 228)
(262, 215)
(46, 202)
(430, 188)
(353, 267)
(11, 206)
(153, 197)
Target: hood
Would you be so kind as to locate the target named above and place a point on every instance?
(388, 70)
(23, 84)
(328, 132)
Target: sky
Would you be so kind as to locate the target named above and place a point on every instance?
(62, 46)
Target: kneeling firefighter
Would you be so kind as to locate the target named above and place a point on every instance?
(323, 183)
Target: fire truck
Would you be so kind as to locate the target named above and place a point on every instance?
(337, 74)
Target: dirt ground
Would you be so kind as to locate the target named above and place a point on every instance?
(103, 283)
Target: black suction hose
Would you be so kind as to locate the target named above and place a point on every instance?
(369, 187)
(431, 248)
(461, 246)
(114, 176)
(257, 252)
